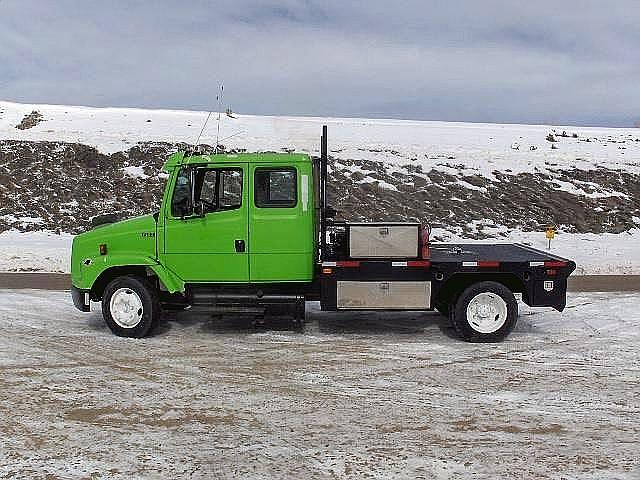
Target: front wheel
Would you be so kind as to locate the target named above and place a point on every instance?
(485, 312)
(130, 306)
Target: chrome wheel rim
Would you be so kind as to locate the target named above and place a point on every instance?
(487, 312)
(126, 308)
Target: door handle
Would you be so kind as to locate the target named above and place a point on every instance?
(240, 247)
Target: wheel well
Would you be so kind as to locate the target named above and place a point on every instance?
(456, 284)
(110, 273)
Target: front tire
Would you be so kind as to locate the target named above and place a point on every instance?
(485, 312)
(130, 306)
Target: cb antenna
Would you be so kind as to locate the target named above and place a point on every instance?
(219, 98)
(203, 127)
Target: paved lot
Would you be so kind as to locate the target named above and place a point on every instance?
(358, 396)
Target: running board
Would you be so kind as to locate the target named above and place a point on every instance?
(222, 299)
(227, 309)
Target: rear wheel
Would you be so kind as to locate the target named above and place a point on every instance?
(485, 312)
(130, 306)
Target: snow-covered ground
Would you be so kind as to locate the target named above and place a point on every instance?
(355, 396)
(34, 252)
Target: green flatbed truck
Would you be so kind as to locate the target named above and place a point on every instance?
(252, 234)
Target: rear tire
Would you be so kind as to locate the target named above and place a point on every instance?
(485, 312)
(130, 306)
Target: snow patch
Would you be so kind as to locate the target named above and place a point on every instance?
(135, 172)
(379, 183)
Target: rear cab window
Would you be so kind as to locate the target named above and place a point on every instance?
(276, 187)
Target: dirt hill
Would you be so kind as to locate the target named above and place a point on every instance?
(60, 186)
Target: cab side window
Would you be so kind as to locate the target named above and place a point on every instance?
(217, 189)
(206, 191)
(181, 199)
(230, 194)
(275, 187)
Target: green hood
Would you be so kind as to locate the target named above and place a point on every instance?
(134, 237)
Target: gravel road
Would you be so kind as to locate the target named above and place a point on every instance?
(357, 396)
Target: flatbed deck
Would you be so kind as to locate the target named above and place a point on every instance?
(489, 252)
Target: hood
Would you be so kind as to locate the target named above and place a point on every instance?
(134, 236)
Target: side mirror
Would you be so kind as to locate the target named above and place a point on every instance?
(198, 209)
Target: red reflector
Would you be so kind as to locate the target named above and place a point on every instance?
(489, 264)
(419, 263)
(103, 249)
(555, 264)
(551, 273)
(348, 263)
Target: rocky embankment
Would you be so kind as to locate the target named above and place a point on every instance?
(59, 187)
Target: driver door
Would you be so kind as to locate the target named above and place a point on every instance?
(211, 247)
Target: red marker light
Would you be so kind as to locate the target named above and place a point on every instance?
(419, 263)
(348, 264)
(489, 264)
(555, 264)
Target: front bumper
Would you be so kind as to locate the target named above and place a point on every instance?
(81, 299)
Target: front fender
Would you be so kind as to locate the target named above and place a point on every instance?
(91, 271)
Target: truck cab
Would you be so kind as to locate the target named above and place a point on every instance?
(252, 234)
(240, 218)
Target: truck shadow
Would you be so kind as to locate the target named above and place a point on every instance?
(317, 322)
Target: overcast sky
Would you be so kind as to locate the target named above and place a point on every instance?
(561, 61)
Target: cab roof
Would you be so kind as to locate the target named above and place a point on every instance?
(181, 158)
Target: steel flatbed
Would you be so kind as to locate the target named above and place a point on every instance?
(541, 277)
(487, 252)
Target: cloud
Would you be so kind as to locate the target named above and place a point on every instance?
(503, 61)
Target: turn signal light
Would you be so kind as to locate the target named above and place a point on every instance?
(103, 249)
(327, 271)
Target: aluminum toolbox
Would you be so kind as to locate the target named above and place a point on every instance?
(354, 295)
(383, 240)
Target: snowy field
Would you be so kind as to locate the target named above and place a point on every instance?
(385, 396)
(35, 252)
